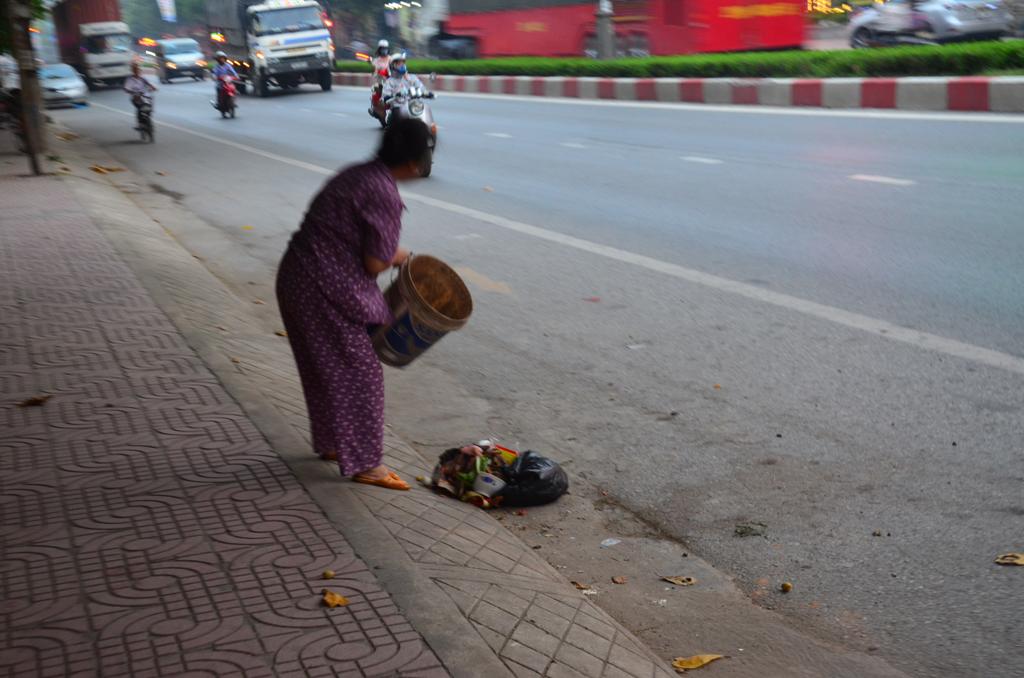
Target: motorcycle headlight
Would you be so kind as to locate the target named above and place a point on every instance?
(170, 64)
(416, 107)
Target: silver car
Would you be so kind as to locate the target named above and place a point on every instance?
(62, 86)
(180, 58)
(934, 20)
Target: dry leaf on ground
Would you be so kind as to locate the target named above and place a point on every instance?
(258, 302)
(681, 664)
(100, 169)
(680, 581)
(332, 599)
(160, 174)
(581, 586)
(246, 228)
(281, 333)
(35, 401)
(718, 387)
(1010, 559)
(619, 580)
(328, 574)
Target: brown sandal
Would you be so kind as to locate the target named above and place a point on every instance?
(391, 481)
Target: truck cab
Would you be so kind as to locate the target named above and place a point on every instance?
(280, 42)
(106, 53)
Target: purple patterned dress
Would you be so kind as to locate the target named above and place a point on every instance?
(329, 302)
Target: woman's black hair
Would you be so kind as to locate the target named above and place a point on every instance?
(405, 140)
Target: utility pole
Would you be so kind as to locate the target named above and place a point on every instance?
(19, 15)
(605, 30)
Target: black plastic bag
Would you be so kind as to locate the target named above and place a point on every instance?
(533, 480)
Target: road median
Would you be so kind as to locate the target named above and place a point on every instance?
(962, 94)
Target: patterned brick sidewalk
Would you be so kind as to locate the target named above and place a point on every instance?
(146, 526)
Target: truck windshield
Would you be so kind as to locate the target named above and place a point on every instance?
(286, 20)
(98, 44)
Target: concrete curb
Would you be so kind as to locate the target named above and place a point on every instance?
(979, 94)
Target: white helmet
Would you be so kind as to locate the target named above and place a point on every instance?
(220, 54)
(398, 56)
(383, 43)
(382, 47)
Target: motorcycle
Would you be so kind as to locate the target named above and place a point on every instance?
(144, 115)
(412, 103)
(226, 93)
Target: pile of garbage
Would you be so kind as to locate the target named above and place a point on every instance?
(489, 475)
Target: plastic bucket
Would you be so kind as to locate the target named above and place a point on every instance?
(428, 300)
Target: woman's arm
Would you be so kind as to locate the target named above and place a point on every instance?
(375, 266)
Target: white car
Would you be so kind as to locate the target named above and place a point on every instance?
(62, 86)
(932, 20)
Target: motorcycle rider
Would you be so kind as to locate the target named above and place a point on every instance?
(222, 68)
(137, 86)
(401, 79)
(381, 70)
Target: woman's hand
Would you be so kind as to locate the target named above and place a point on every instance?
(375, 266)
(401, 256)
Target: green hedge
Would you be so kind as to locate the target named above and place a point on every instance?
(957, 59)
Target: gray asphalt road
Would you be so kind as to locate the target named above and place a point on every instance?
(810, 321)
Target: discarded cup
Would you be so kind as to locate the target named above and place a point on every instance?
(488, 484)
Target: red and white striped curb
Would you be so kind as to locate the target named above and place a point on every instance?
(1001, 94)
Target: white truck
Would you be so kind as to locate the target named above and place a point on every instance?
(92, 38)
(279, 42)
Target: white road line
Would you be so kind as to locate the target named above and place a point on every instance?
(499, 135)
(1006, 118)
(878, 179)
(701, 160)
(874, 326)
(340, 115)
(571, 144)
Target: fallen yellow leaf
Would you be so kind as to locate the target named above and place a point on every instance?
(247, 228)
(332, 599)
(718, 387)
(258, 302)
(581, 586)
(680, 581)
(281, 333)
(681, 664)
(1010, 559)
(100, 169)
(328, 574)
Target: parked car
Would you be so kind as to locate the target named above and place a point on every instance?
(934, 20)
(180, 58)
(62, 85)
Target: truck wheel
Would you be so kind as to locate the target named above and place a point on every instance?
(326, 80)
(260, 86)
